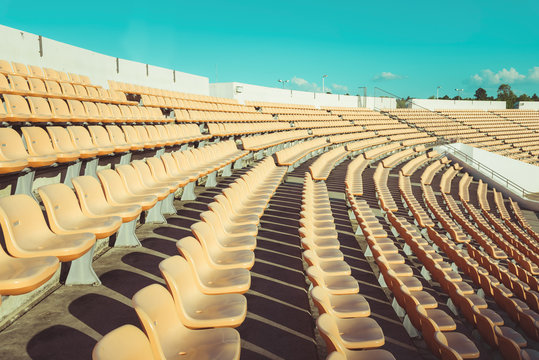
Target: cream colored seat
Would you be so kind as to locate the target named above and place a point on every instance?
(66, 217)
(26, 234)
(196, 309)
(124, 343)
(117, 194)
(352, 333)
(218, 256)
(94, 205)
(211, 230)
(346, 354)
(336, 285)
(335, 267)
(209, 279)
(39, 144)
(136, 187)
(22, 275)
(341, 306)
(170, 339)
(13, 155)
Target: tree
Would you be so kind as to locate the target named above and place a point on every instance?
(457, 98)
(506, 94)
(480, 94)
(431, 97)
(446, 97)
(535, 97)
(523, 97)
(401, 103)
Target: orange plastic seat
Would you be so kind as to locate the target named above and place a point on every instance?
(101, 139)
(39, 144)
(336, 285)
(117, 194)
(62, 143)
(341, 306)
(124, 343)
(135, 186)
(169, 338)
(352, 333)
(220, 257)
(94, 204)
(211, 232)
(82, 139)
(66, 217)
(22, 275)
(60, 110)
(210, 279)
(27, 235)
(346, 354)
(40, 109)
(17, 108)
(336, 267)
(117, 138)
(196, 309)
(13, 155)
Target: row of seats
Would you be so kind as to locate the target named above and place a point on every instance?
(59, 144)
(462, 260)
(18, 85)
(294, 155)
(322, 166)
(343, 320)
(33, 71)
(52, 110)
(205, 285)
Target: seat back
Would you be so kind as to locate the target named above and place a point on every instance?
(330, 332)
(90, 194)
(155, 308)
(61, 141)
(80, 137)
(22, 223)
(11, 145)
(180, 281)
(61, 205)
(39, 106)
(38, 141)
(99, 135)
(124, 343)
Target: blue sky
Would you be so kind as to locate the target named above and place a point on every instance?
(407, 48)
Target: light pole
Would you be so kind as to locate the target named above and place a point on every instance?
(283, 82)
(438, 88)
(459, 91)
(323, 84)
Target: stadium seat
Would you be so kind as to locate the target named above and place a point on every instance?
(352, 333)
(196, 309)
(210, 279)
(27, 235)
(94, 205)
(169, 338)
(124, 343)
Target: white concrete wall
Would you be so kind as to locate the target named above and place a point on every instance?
(528, 105)
(433, 104)
(519, 172)
(23, 47)
(287, 96)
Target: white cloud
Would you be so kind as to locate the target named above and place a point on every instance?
(386, 75)
(502, 76)
(533, 74)
(304, 84)
(338, 87)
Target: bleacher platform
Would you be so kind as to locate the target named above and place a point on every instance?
(142, 223)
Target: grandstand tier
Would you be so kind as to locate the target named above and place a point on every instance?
(147, 223)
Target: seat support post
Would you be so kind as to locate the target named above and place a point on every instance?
(126, 235)
(81, 271)
(91, 168)
(159, 152)
(189, 191)
(125, 159)
(24, 184)
(167, 207)
(154, 215)
(72, 171)
(211, 180)
(227, 170)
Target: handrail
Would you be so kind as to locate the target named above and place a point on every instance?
(486, 170)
